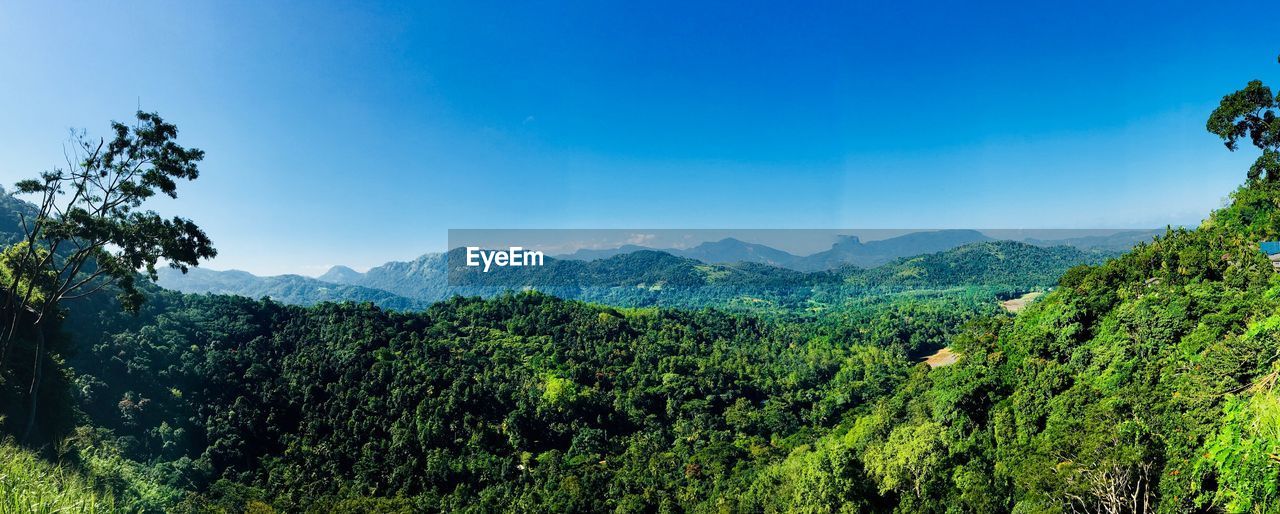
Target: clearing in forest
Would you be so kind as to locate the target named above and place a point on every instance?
(943, 357)
(1018, 303)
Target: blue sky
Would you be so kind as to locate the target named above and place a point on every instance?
(357, 133)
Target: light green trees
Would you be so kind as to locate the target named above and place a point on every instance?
(910, 454)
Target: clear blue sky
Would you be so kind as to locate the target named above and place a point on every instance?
(356, 134)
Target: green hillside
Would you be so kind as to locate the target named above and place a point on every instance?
(993, 263)
(1143, 384)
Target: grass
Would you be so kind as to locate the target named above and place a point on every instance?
(29, 485)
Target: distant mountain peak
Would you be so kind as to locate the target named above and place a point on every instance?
(731, 250)
(849, 250)
(341, 275)
(844, 239)
(725, 243)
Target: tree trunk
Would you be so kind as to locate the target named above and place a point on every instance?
(36, 374)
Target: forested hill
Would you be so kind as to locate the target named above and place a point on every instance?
(12, 213)
(1146, 384)
(1006, 263)
(518, 403)
(648, 277)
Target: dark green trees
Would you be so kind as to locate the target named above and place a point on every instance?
(1251, 113)
(89, 231)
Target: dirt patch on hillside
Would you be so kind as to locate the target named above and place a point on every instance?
(1020, 302)
(943, 357)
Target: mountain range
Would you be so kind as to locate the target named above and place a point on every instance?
(292, 289)
(849, 250)
(647, 277)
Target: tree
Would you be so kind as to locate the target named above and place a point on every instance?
(1251, 112)
(89, 231)
(908, 458)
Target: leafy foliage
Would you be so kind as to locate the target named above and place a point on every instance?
(1250, 113)
(505, 402)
